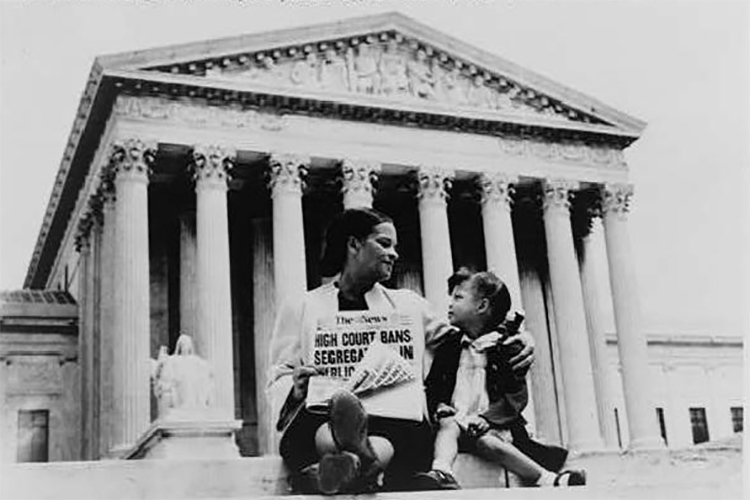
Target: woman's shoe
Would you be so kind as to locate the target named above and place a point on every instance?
(337, 472)
(572, 477)
(347, 419)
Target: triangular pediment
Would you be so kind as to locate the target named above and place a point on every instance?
(389, 58)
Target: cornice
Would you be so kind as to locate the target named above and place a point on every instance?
(219, 51)
(359, 107)
(80, 122)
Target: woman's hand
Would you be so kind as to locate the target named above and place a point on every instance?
(525, 356)
(476, 426)
(301, 379)
(443, 410)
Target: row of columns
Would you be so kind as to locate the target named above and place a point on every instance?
(124, 288)
(210, 316)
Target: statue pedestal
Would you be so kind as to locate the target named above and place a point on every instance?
(186, 434)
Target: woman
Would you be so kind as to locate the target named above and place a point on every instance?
(346, 450)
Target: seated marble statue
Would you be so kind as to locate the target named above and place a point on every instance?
(182, 380)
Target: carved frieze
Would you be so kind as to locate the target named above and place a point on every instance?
(389, 66)
(565, 152)
(287, 172)
(156, 108)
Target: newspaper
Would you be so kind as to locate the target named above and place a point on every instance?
(376, 356)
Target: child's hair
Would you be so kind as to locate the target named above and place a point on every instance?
(486, 285)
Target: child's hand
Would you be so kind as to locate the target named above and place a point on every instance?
(444, 410)
(476, 426)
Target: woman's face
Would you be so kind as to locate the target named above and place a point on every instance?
(374, 256)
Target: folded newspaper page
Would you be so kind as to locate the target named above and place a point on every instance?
(376, 356)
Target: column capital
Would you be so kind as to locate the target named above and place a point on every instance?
(557, 193)
(497, 187)
(131, 159)
(434, 183)
(616, 199)
(83, 232)
(585, 208)
(96, 206)
(211, 165)
(359, 176)
(106, 186)
(287, 172)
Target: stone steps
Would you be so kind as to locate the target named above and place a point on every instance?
(184, 479)
(686, 473)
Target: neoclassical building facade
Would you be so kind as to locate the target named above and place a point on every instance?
(198, 180)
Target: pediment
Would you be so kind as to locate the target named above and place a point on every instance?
(388, 58)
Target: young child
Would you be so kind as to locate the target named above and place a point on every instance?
(476, 399)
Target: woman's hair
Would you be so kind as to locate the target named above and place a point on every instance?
(354, 222)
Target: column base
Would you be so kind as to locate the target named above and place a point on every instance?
(588, 448)
(646, 444)
(189, 435)
(600, 452)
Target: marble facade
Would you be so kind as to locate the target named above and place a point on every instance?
(197, 182)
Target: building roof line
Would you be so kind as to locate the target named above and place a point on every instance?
(359, 26)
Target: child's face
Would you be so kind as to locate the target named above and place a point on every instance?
(463, 310)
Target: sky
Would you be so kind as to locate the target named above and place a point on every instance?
(680, 66)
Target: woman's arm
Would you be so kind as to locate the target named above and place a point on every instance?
(284, 357)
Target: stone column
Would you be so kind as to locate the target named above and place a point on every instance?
(131, 321)
(499, 242)
(437, 260)
(631, 343)
(597, 341)
(264, 313)
(106, 314)
(214, 312)
(540, 374)
(358, 178)
(500, 246)
(580, 399)
(87, 354)
(95, 209)
(289, 266)
(188, 288)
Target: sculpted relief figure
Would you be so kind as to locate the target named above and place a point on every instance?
(394, 79)
(454, 87)
(333, 71)
(365, 70)
(421, 77)
(264, 71)
(305, 71)
(480, 95)
(182, 380)
(502, 101)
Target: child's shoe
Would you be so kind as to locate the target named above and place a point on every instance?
(436, 480)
